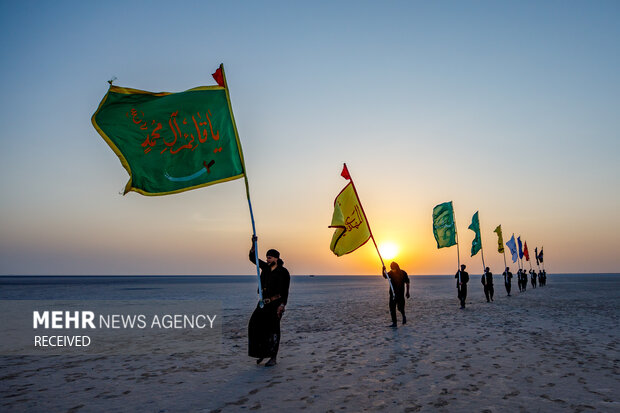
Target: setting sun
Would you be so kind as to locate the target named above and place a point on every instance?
(389, 250)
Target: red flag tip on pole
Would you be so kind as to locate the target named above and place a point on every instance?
(219, 77)
(345, 172)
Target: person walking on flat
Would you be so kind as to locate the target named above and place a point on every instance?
(399, 280)
(487, 282)
(462, 278)
(264, 326)
(533, 278)
(507, 281)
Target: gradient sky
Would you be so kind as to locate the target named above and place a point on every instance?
(507, 108)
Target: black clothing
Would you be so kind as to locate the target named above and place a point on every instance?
(398, 279)
(487, 282)
(533, 278)
(462, 288)
(507, 281)
(264, 326)
(400, 303)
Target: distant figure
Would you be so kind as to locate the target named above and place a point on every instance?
(544, 277)
(533, 278)
(487, 282)
(264, 326)
(462, 278)
(507, 281)
(523, 280)
(540, 278)
(399, 280)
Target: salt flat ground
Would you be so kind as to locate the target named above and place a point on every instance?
(549, 349)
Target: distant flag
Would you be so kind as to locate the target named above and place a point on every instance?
(352, 230)
(520, 247)
(172, 142)
(540, 256)
(513, 248)
(526, 253)
(476, 244)
(443, 225)
(536, 253)
(500, 239)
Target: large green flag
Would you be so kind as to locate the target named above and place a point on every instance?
(476, 244)
(443, 225)
(171, 142)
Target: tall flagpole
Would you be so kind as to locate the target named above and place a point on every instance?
(247, 191)
(458, 255)
(370, 230)
(481, 249)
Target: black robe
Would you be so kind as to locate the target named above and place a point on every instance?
(264, 326)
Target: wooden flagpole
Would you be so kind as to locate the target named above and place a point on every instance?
(370, 230)
(481, 249)
(458, 255)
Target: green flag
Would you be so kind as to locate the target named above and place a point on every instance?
(443, 225)
(476, 244)
(171, 142)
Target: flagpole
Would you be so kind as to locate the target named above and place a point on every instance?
(481, 249)
(458, 255)
(247, 192)
(371, 235)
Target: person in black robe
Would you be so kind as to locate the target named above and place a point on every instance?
(507, 281)
(399, 280)
(487, 282)
(462, 278)
(533, 278)
(264, 326)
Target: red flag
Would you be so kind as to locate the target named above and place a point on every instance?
(345, 172)
(219, 77)
(526, 253)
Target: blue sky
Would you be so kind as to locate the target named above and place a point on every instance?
(509, 108)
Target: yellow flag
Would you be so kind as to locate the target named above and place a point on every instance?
(350, 222)
(500, 239)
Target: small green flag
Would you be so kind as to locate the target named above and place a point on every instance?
(443, 225)
(500, 239)
(171, 142)
(476, 244)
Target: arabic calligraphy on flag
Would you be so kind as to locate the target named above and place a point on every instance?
(443, 225)
(348, 219)
(171, 142)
